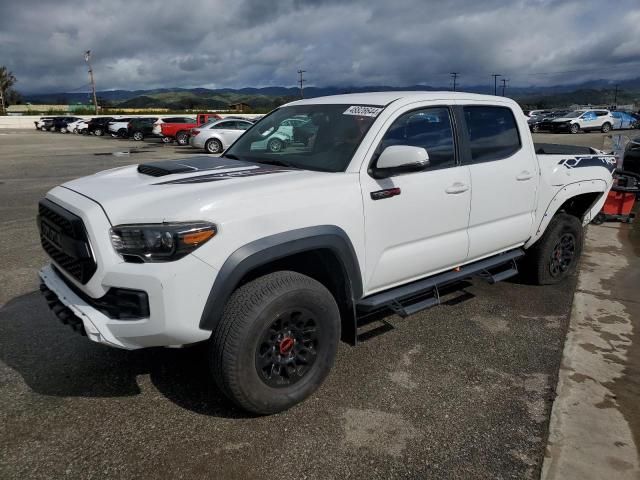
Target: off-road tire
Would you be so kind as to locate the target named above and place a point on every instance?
(539, 261)
(248, 317)
(213, 146)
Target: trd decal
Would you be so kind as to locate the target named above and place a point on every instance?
(216, 177)
(607, 162)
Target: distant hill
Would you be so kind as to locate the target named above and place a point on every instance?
(265, 98)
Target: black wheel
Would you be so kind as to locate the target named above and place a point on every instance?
(98, 132)
(138, 136)
(44, 129)
(599, 219)
(574, 128)
(535, 128)
(122, 133)
(275, 145)
(276, 342)
(182, 138)
(555, 256)
(166, 139)
(606, 127)
(213, 145)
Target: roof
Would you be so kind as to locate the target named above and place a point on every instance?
(384, 98)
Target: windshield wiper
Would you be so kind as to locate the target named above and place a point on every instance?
(280, 163)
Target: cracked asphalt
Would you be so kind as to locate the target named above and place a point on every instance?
(463, 390)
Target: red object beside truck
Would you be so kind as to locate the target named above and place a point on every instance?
(179, 131)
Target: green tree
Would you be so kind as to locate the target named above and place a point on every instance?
(7, 81)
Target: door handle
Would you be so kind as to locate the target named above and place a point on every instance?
(457, 187)
(524, 175)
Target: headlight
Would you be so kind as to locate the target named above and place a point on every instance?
(160, 242)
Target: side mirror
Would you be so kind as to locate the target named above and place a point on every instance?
(399, 158)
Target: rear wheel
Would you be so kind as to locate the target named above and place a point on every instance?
(98, 132)
(138, 136)
(606, 127)
(182, 138)
(276, 342)
(63, 129)
(555, 256)
(213, 146)
(166, 139)
(535, 128)
(275, 145)
(574, 128)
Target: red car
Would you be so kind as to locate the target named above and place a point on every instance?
(170, 128)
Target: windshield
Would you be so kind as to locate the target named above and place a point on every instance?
(312, 137)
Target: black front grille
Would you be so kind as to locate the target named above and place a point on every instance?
(64, 238)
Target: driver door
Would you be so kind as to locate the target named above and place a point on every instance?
(416, 222)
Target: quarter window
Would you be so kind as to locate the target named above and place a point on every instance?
(429, 128)
(493, 133)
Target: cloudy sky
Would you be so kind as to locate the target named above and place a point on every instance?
(237, 43)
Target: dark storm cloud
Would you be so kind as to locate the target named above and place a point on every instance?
(239, 43)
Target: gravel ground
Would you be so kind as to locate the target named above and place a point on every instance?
(460, 391)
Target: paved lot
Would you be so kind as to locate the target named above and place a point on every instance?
(460, 391)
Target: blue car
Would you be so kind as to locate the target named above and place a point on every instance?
(623, 120)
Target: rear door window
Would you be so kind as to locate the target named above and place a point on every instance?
(493, 133)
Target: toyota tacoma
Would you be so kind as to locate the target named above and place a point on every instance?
(273, 256)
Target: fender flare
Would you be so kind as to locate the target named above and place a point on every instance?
(564, 194)
(274, 247)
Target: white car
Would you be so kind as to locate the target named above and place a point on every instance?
(78, 126)
(217, 135)
(118, 127)
(272, 257)
(584, 120)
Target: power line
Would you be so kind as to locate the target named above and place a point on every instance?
(87, 58)
(495, 82)
(301, 82)
(454, 75)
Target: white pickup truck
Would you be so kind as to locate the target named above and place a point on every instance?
(272, 256)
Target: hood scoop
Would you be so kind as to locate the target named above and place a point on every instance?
(188, 165)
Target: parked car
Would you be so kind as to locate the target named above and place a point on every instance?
(119, 125)
(140, 128)
(271, 256)
(81, 127)
(217, 135)
(538, 113)
(623, 120)
(43, 123)
(178, 128)
(98, 125)
(543, 123)
(631, 161)
(60, 124)
(73, 126)
(583, 120)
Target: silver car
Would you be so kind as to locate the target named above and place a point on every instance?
(217, 135)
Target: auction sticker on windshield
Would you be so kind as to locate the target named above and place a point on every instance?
(362, 111)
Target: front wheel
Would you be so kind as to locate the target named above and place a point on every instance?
(574, 128)
(138, 136)
(276, 342)
(166, 139)
(535, 128)
(555, 256)
(275, 145)
(606, 128)
(98, 132)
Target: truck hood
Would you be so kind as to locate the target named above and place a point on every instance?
(182, 189)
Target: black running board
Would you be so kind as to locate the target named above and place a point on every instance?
(422, 294)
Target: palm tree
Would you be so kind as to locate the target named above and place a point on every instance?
(7, 80)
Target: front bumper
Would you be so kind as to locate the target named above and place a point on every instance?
(176, 291)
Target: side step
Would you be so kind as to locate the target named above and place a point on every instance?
(422, 294)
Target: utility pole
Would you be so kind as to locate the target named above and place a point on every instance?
(4, 110)
(454, 75)
(504, 85)
(87, 58)
(615, 97)
(495, 82)
(301, 82)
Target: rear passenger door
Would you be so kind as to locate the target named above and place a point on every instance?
(504, 178)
